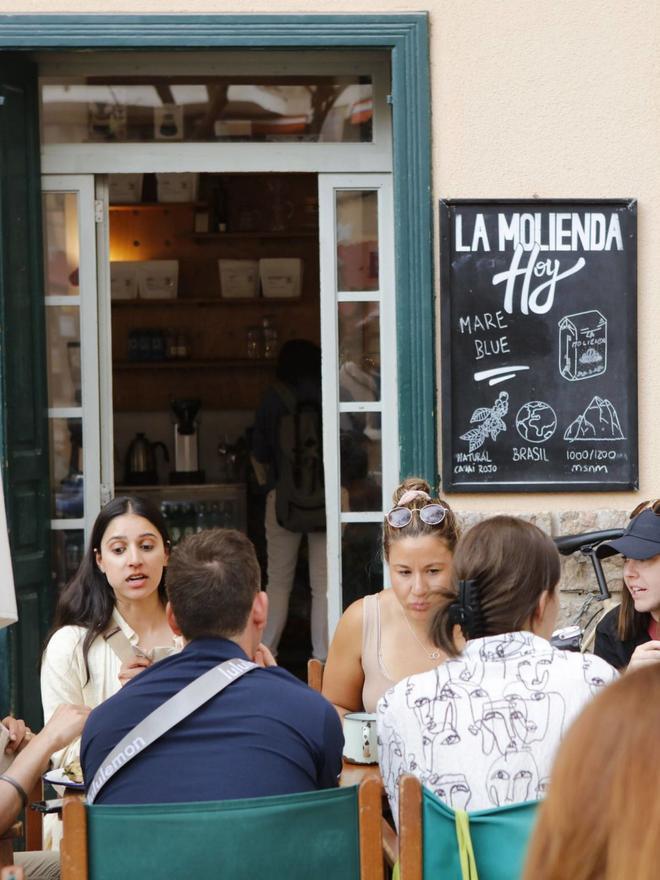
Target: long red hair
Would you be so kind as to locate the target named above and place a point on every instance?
(601, 819)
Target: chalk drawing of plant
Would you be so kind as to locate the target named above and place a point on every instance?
(489, 422)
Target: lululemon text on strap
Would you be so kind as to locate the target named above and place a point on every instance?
(167, 716)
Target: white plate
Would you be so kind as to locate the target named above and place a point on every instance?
(59, 777)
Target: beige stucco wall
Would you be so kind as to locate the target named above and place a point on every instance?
(557, 99)
(530, 97)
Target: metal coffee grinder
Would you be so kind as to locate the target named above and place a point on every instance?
(186, 442)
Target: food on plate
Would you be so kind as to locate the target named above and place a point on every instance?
(73, 771)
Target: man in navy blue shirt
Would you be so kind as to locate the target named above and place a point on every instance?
(266, 733)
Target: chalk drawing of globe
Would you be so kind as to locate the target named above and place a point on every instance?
(536, 421)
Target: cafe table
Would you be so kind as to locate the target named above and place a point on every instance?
(353, 774)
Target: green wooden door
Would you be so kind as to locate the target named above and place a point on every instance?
(23, 426)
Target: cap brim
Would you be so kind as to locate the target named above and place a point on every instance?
(630, 546)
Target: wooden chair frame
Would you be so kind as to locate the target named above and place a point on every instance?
(315, 669)
(34, 819)
(7, 844)
(409, 848)
(406, 846)
(73, 849)
(33, 836)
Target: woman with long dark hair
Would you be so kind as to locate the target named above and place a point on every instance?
(481, 730)
(629, 636)
(110, 619)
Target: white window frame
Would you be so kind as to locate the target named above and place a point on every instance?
(104, 312)
(329, 185)
(222, 156)
(86, 301)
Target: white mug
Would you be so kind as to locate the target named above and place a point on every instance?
(360, 742)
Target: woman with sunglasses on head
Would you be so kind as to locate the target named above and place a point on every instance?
(629, 635)
(382, 638)
(481, 730)
(110, 619)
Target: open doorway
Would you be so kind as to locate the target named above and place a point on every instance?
(67, 161)
(210, 275)
(213, 251)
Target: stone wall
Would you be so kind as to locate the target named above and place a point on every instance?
(577, 578)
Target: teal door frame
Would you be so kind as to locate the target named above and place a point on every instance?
(406, 37)
(23, 426)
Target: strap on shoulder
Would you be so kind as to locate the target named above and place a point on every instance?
(119, 643)
(465, 849)
(182, 704)
(286, 394)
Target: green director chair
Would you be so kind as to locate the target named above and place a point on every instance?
(438, 843)
(327, 834)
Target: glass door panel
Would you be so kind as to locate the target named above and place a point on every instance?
(357, 240)
(358, 326)
(67, 547)
(361, 560)
(61, 243)
(359, 392)
(360, 462)
(63, 355)
(69, 240)
(66, 468)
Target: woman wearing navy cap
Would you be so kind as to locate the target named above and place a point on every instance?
(629, 635)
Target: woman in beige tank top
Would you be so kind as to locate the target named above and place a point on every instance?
(383, 638)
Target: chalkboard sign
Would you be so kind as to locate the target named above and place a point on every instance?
(539, 345)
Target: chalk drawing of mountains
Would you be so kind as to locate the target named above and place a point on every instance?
(599, 421)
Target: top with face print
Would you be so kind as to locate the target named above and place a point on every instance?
(482, 729)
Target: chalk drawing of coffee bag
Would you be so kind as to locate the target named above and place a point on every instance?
(582, 345)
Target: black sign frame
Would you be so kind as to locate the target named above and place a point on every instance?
(468, 481)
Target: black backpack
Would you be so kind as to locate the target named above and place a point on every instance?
(300, 486)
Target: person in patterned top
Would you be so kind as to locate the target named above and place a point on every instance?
(481, 730)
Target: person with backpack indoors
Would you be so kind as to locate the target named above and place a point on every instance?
(629, 635)
(287, 451)
(482, 729)
(384, 637)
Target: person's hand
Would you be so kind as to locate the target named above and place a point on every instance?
(645, 655)
(19, 734)
(65, 725)
(263, 657)
(132, 668)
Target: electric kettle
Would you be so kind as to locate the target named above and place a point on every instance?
(141, 469)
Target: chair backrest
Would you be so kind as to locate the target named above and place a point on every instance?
(315, 670)
(331, 833)
(7, 844)
(34, 819)
(429, 848)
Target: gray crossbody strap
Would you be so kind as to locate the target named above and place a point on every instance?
(120, 643)
(166, 716)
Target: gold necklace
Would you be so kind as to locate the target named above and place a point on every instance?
(433, 655)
